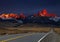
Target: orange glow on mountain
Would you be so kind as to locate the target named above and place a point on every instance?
(45, 13)
(8, 16)
(4, 16)
(13, 15)
(34, 15)
(22, 15)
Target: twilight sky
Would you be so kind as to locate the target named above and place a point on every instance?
(29, 6)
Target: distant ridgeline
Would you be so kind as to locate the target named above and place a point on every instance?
(42, 18)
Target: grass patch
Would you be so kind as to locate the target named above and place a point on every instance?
(57, 30)
(18, 30)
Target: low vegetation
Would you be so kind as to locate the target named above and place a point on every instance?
(57, 30)
(26, 29)
(17, 30)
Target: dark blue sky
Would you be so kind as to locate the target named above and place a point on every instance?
(29, 6)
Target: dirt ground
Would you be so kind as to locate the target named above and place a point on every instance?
(16, 30)
(57, 30)
(26, 29)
